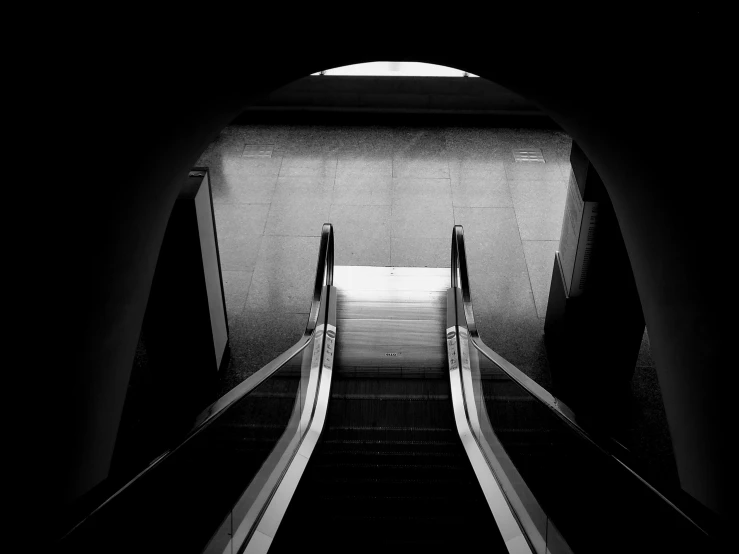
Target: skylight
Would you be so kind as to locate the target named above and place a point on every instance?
(397, 69)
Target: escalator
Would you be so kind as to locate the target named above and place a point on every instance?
(390, 426)
(390, 472)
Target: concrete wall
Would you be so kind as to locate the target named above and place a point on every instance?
(401, 94)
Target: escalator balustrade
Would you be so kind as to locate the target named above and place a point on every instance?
(390, 472)
(391, 426)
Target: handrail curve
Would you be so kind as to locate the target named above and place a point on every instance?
(324, 275)
(606, 444)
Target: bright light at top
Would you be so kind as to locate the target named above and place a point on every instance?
(397, 69)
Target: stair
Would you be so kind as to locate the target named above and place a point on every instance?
(389, 474)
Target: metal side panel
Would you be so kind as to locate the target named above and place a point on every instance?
(539, 529)
(530, 515)
(237, 526)
(275, 510)
(513, 536)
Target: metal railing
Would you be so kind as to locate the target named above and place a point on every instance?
(324, 276)
(608, 446)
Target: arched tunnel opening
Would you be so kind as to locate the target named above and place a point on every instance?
(393, 155)
(634, 181)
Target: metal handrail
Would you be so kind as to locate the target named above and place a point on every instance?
(606, 444)
(324, 275)
(273, 511)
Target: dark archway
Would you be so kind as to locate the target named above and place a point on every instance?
(167, 103)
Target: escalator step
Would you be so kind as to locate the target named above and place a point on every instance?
(389, 473)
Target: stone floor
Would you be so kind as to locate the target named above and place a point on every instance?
(393, 195)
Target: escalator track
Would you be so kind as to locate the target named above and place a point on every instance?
(390, 473)
(391, 425)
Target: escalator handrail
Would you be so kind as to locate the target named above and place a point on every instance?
(608, 445)
(324, 274)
